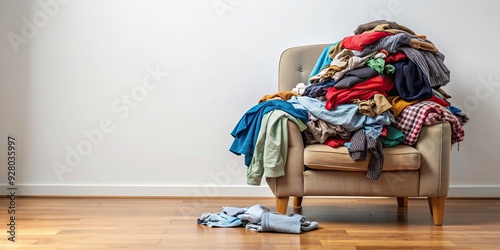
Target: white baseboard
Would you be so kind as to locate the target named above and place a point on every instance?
(196, 191)
(474, 191)
(141, 190)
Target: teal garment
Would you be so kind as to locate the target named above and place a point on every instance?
(379, 65)
(323, 61)
(271, 148)
(394, 137)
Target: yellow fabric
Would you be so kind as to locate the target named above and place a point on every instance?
(398, 104)
(283, 95)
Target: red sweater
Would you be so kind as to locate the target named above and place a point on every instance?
(358, 42)
(363, 91)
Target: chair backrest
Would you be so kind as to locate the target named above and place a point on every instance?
(296, 64)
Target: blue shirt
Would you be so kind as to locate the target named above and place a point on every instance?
(246, 131)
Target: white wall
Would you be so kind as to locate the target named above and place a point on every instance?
(67, 66)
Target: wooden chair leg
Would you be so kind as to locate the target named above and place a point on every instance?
(297, 201)
(402, 201)
(437, 204)
(282, 204)
(429, 201)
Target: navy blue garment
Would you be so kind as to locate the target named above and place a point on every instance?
(318, 89)
(410, 83)
(246, 131)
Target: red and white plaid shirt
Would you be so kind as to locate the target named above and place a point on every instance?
(413, 117)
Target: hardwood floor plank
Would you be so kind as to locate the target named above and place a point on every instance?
(395, 243)
(170, 223)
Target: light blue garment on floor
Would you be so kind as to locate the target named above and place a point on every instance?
(272, 222)
(254, 213)
(280, 223)
(233, 211)
(219, 220)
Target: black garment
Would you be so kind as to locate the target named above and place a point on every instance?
(410, 83)
(361, 144)
(355, 76)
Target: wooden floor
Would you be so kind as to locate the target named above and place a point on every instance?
(170, 223)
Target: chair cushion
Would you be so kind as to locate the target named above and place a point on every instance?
(324, 157)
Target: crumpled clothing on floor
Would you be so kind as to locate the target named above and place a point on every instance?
(258, 218)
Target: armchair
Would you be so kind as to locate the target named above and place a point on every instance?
(421, 170)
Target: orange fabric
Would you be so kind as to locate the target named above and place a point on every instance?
(283, 95)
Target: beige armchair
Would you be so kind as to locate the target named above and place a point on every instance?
(320, 170)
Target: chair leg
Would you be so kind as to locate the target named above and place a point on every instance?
(297, 201)
(437, 204)
(282, 204)
(402, 201)
(429, 201)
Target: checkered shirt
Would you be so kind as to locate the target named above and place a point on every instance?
(413, 117)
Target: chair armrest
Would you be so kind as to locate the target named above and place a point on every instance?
(292, 184)
(434, 144)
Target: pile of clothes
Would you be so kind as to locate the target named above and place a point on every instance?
(257, 218)
(376, 88)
